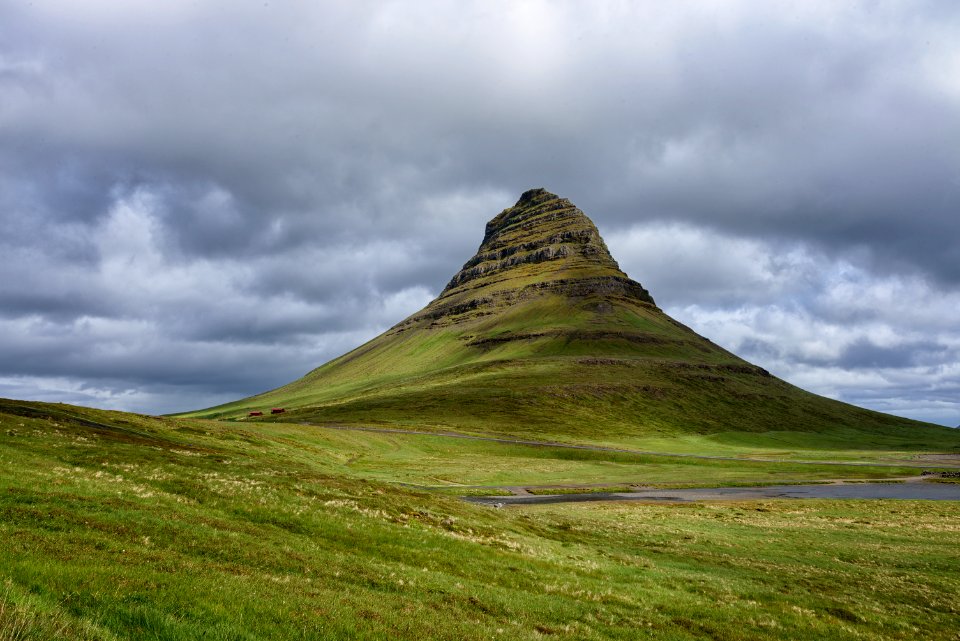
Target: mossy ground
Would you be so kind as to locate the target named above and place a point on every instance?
(115, 526)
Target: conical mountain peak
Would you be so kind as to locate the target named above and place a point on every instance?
(541, 229)
(541, 335)
(543, 245)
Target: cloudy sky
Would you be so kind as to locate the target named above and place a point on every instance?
(203, 200)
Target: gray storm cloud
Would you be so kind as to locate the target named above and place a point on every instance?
(204, 200)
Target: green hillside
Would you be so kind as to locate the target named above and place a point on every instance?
(118, 527)
(541, 335)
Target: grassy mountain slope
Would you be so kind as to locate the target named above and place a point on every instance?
(541, 335)
(118, 527)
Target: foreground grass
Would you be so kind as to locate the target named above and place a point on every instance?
(114, 526)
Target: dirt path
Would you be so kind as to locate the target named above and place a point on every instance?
(898, 491)
(941, 460)
(543, 490)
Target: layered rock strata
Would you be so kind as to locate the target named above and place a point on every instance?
(541, 245)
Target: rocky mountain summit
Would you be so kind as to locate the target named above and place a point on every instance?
(543, 244)
(541, 227)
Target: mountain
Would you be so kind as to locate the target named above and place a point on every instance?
(541, 334)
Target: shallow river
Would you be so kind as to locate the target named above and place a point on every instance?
(921, 491)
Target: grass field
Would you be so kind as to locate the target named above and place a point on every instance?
(114, 526)
(441, 461)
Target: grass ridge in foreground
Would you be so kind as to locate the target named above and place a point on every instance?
(116, 526)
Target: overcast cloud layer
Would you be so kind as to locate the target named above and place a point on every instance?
(201, 201)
